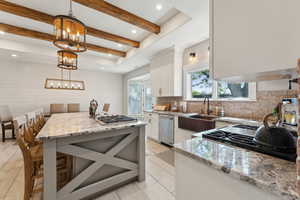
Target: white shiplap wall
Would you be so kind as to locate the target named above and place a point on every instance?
(22, 87)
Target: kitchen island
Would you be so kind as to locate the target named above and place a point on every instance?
(104, 156)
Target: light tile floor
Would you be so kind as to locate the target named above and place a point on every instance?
(159, 184)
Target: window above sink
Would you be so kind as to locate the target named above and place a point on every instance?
(198, 85)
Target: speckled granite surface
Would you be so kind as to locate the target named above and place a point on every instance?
(268, 173)
(170, 113)
(71, 124)
(235, 120)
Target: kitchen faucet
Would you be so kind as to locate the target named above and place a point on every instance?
(206, 99)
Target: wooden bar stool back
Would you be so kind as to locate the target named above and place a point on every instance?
(73, 107)
(31, 161)
(57, 108)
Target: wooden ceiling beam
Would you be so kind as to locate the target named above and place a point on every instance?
(115, 38)
(121, 14)
(26, 32)
(46, 18)
(48, 37)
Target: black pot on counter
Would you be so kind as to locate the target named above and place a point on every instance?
(276, 138)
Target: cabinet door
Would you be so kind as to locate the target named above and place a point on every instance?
(154, 82)
(253, 36)
(165, 80)
(148, 119)
(160, 81)
(155, 126)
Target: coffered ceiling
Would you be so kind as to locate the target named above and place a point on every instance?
(180, 24)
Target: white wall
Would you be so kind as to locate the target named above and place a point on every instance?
(22, 87)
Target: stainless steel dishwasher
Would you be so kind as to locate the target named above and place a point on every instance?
(166, 129)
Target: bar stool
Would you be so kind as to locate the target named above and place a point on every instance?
(6, 120)
(57, 108)
(33, 160)
(73, 107)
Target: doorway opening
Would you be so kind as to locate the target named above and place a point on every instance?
(140, 96)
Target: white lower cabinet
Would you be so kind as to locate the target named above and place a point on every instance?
(195, 181)
(152, 128)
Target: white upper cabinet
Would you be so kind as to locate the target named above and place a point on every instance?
(166, 73)
(253, 37)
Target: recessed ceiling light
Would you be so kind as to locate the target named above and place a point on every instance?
(2, 32)
(159, 6)
(13, 55)
(134, 31)
(120, 45)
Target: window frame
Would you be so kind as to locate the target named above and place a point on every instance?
(188, 88)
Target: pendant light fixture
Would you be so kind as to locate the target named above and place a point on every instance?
(67, 60)
(70, 33)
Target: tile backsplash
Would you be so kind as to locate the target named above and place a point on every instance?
(256, 110)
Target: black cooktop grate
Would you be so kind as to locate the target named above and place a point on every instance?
(247, 142)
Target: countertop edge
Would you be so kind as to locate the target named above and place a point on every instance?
(91, 131)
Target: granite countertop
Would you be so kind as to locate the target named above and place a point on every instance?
(217, 118)
(235, 120)
(170, 113)
(71, 124)
(266, 172)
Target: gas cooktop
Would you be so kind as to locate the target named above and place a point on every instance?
(109, 119)
(242, 126)
(247, 142)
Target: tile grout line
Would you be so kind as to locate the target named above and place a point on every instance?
(154, 154)
(161, 184)
(118, 196)
(153, 162)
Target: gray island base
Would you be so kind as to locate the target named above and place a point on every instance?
(105, 157)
